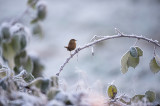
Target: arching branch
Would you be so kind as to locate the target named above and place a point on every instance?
(119, 35)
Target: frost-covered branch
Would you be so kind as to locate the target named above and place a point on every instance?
(119, 35)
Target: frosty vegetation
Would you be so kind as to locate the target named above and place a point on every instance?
(21, 75)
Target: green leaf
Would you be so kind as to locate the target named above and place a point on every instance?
(20, 58)
(132, 62)
(17, 61)
(45, 85)
(0, 65)
(112, 91)
(154, 66)
(52, 93)
(126, 100)
(37, 30)
(34, 20)
(140, 52)
(151, 96)
(28, 65)
(7, 50)
(41, 83)
(38, 67)
(15, 43)
(41, 12)
(8, 53)
(32, 3)
(54, 81)
(131, 59)
(137, 98)
(29, 77)
(124, 66)
(23, 42)
(133, 52)
(157, 58)
(3, 73)
(16, 70)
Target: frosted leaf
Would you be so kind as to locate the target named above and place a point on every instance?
(41, 13)
(132, 62)
(140, 52)
(22, 74)
(3, 73)
(28, 65)
(124, 66)
(32, 3)
(41, 10)
(154, 66)
(52, 93)
(41, 83)
(151, 96)
(19, 29)
(15, 43)
(5, 30)
(37, 30)
(125, 99)
(137, 98)
(0, 65)
(112, 91)
(8, 53)
(38, 67)
(23, 42)
(54, 81)
(29, 77)
(157, 58)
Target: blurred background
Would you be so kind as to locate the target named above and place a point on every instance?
(82, 20)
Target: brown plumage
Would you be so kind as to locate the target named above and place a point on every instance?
(72, 45)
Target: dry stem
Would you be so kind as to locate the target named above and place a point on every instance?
(119, 35)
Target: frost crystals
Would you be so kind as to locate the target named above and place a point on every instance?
(131, 59)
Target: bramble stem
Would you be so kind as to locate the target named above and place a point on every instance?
(119, 35)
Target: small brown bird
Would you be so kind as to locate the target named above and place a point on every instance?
(71, 45)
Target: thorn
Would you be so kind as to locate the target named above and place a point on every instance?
(118, 31)
(92, 51)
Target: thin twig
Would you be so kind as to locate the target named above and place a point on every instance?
(154, 50)
(119, 32)
(106, 38)
(93, 38)
(136, 42)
